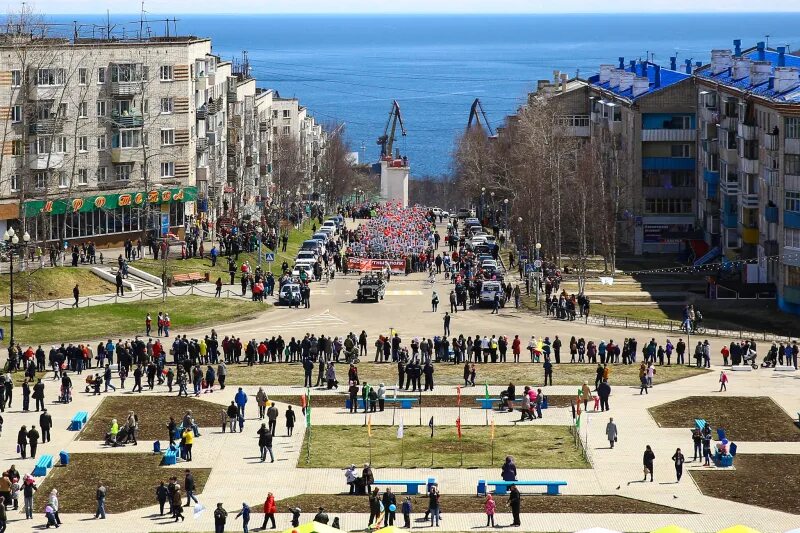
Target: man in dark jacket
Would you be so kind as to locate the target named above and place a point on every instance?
(389, 500)
(38, 394)
(33, 439)
(220, 517)
(515, 502)
(45, 422)
(189, 486)
(604, 391)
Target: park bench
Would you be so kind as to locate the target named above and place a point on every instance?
(170, 456)
(784, 368)
(699, 423)
(190, 277)
(487, 403)
(404, 403)
(412, 487)
(44, 462)
(501, 487)
(79, 420)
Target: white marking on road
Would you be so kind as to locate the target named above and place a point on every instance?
(404, 293)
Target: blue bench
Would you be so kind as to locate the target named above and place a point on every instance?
(501, 487)
(170, 456)
(44, 462)
(79, 420)
(404, 402)
(412, 487)
(699, 423)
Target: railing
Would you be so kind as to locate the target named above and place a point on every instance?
(663, 134)
(202, 144)
(46, 126)
(129, 120)
(125, 88)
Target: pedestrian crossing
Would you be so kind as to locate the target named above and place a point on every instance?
(403, 293)
(324, 319)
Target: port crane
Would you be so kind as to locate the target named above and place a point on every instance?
(386, 141)
(475, 114)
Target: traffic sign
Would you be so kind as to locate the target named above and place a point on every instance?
(538, 263)
(269, 257)
(530, 267)
(164, 224)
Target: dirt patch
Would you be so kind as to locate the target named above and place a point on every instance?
(337, 400)
(153, 413)
(757, 419)
(131, 480)
(533, 503)
(770, 481)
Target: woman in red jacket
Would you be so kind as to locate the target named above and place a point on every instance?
(269, 511)
(516, 347)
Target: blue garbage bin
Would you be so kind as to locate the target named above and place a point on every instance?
(157, 446)
(481, 487)
(63, 457)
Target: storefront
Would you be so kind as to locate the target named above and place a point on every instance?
(106, 218)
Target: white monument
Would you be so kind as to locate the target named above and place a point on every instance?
(394, 181)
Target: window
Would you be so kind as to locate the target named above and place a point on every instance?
(167, 137)
(792, 201)
(102, 174)
(125, 73)
(14, 182)
(680, 122)
(101, 108)
(83, 176)
(16, 113)
(62, 110)
(17, 148)
(275, 129)
(287, 130)
(16, 78)
(793, 276)
(274, 113)
(50, 76)
(101, 75)
(61, 145)
(83, 144)
(792, 164)
(63, 181)
(165, 73)
(101, 142)
(127, 139)
(791, 237)
(123, 172)
(83, 76)
(668, 179)
(680, 150)
(145, 106)
(168, 170)
(287, 113)
(40, 180)
(83, 110)
(166, 105)
(667, 206)
(792, 128)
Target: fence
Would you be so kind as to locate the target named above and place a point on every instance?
(141, 295)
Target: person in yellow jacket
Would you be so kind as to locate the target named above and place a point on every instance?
(188, 440)
(114, 430)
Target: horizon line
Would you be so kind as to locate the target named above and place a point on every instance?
(429, 13)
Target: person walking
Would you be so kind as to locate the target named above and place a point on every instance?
(269, 511)
(611, 432)
(515, 503)
(100, 496)
(33, 440)
(723, 381)
(76, 293)
(220, 517)
(46, 423)
(22, 442)
(161, 497)
(489, 506)
(647, 460)
(190, 487)
(272, 418)
(678, 459)
(265, 443)
(290, 418)
(446, 324)
(54, 505)
(434, 301)
(245, 514)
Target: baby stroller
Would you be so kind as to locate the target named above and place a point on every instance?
(750, 359)
(770, 360)
(65, 394)
(122, 436)
(505, 403)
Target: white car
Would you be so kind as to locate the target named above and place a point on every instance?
(329, 224)
(445, 214)
(306, 254)
(488, 290)
(327, 230)
(306, 267)
(437, 211)
(489, 263)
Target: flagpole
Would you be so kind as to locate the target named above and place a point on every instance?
(370, 450)
(402, 449)
(394, 406)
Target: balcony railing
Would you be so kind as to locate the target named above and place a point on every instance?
(748, 166)
(666, 135)
(771, 176)
(202, 112)
(126, 88)
(746, 132)
(711, 146)
(202, 144)
(771, 214)
(668, 163)
(771, 142)
(792, 146)
(46, 161)
(46, 126)
(130, 119)
(126, 155)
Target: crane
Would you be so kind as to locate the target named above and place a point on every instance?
(386, 141)
(475, 114)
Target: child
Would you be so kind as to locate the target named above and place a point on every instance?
(723, 381)
(224, 420)
(295, 515)
(407, 512)
(51, 517)
(489, 507)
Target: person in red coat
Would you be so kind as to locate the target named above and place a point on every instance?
(269, 511)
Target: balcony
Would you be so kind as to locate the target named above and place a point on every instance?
(771, 176)
(668, 135)
(729, 186)
(46, 126)
(128, 119)
(595, 117)
(748, 200)
(791, 219)
(729, 122)
(202, 144)
(749, 235)
(46, 161)
(711, 146)
(126, 89)
(126, 155)
(748, 133)
(771, 142)
(771, 214)
(668, 163)
(212, 138)
(709, 114)
(792, 146)
(729, 220)
(263, 126)
(748, 166)
(202, 112)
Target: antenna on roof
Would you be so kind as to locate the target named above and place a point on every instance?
(767, 37)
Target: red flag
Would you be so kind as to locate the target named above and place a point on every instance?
(458, 402)
(458, 426)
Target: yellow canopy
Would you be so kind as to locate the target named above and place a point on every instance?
(312, 527)
(672, 529)
(738, 529)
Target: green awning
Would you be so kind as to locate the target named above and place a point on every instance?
(86, 204)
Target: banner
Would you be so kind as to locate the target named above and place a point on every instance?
(86, 204)
(361, 264)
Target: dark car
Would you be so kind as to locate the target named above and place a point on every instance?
(370, 288)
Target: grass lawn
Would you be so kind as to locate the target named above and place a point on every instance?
(531, 446)
(756, 419)
(52, 284)
(454, 503)
(770, 481)
(126, 319)
(331, 400)
(448, 374)
(153, 413)
(131, 480)
(174, 266)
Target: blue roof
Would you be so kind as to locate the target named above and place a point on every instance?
(763, 89)
(668, 78)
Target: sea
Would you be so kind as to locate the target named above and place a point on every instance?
(349, 68)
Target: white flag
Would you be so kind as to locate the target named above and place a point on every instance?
(400, 430)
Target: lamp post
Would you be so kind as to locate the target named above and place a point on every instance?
(491, 209)
(12, 240)
(259, 232)
(505, 223)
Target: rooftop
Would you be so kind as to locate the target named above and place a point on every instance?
(658, 76)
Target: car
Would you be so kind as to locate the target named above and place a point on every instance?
(321, 235)
(339, 219)
(463, 213)
(486, 263)
(289, 294)
(329, 224)
(312, 244)
(370, 288)
(445, 214)
(437, 211)
(328, 230)
(488, 290)
(300, 267)
(307, 254)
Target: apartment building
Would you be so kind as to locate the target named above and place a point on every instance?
(749, 140)
(291, 121)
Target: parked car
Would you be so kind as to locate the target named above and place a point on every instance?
(488, 290)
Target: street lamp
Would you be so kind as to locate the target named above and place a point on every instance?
(505, 224)
(259, 231)
(12, 240)
(483, 202)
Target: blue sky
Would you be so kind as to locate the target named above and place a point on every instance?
(404, 6)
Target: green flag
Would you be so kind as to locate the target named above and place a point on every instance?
(486, 390)
(308, 408)
(578, 422)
